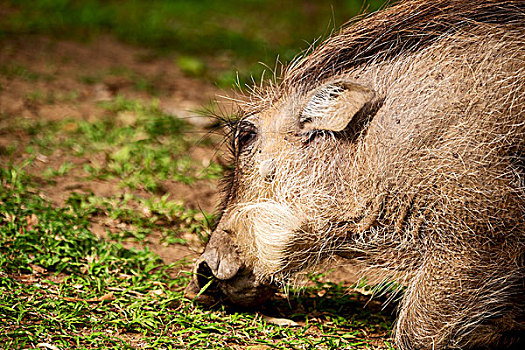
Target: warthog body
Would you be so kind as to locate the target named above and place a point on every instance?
(398, 144)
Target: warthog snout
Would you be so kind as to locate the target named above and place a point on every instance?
(230, 278)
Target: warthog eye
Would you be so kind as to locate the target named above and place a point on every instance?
(244, 135)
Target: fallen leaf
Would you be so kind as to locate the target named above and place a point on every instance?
(37, 269)
(32, 221)
(283, 322)
(72, 299)
(47, 346)
(156, 292)
(106, 297)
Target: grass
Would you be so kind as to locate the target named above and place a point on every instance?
(136, 143)
(61, 285)
(14, 70)
(145, 215)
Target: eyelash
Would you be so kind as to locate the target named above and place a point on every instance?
(313, 134)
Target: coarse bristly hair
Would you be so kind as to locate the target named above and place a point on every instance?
(431, 189)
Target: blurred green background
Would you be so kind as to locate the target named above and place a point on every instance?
(212, 39)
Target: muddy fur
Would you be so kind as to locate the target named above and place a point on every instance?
(426, 181)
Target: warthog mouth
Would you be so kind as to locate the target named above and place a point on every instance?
(241, 290)
(220, 275)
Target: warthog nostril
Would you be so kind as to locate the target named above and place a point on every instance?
(220, 272)
(223, 265)
(203, 274)
(242, 289)
(220, 257)
(203, 288)
(209, 267)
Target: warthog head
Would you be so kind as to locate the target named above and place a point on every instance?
(398, 144)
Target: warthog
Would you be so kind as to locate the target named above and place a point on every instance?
(398, 144)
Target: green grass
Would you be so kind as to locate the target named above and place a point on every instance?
(145, 215)
(136, 143)
(211, 37)
(14, 70)
(61, 285)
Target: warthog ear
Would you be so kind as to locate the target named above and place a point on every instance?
(333, 106)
